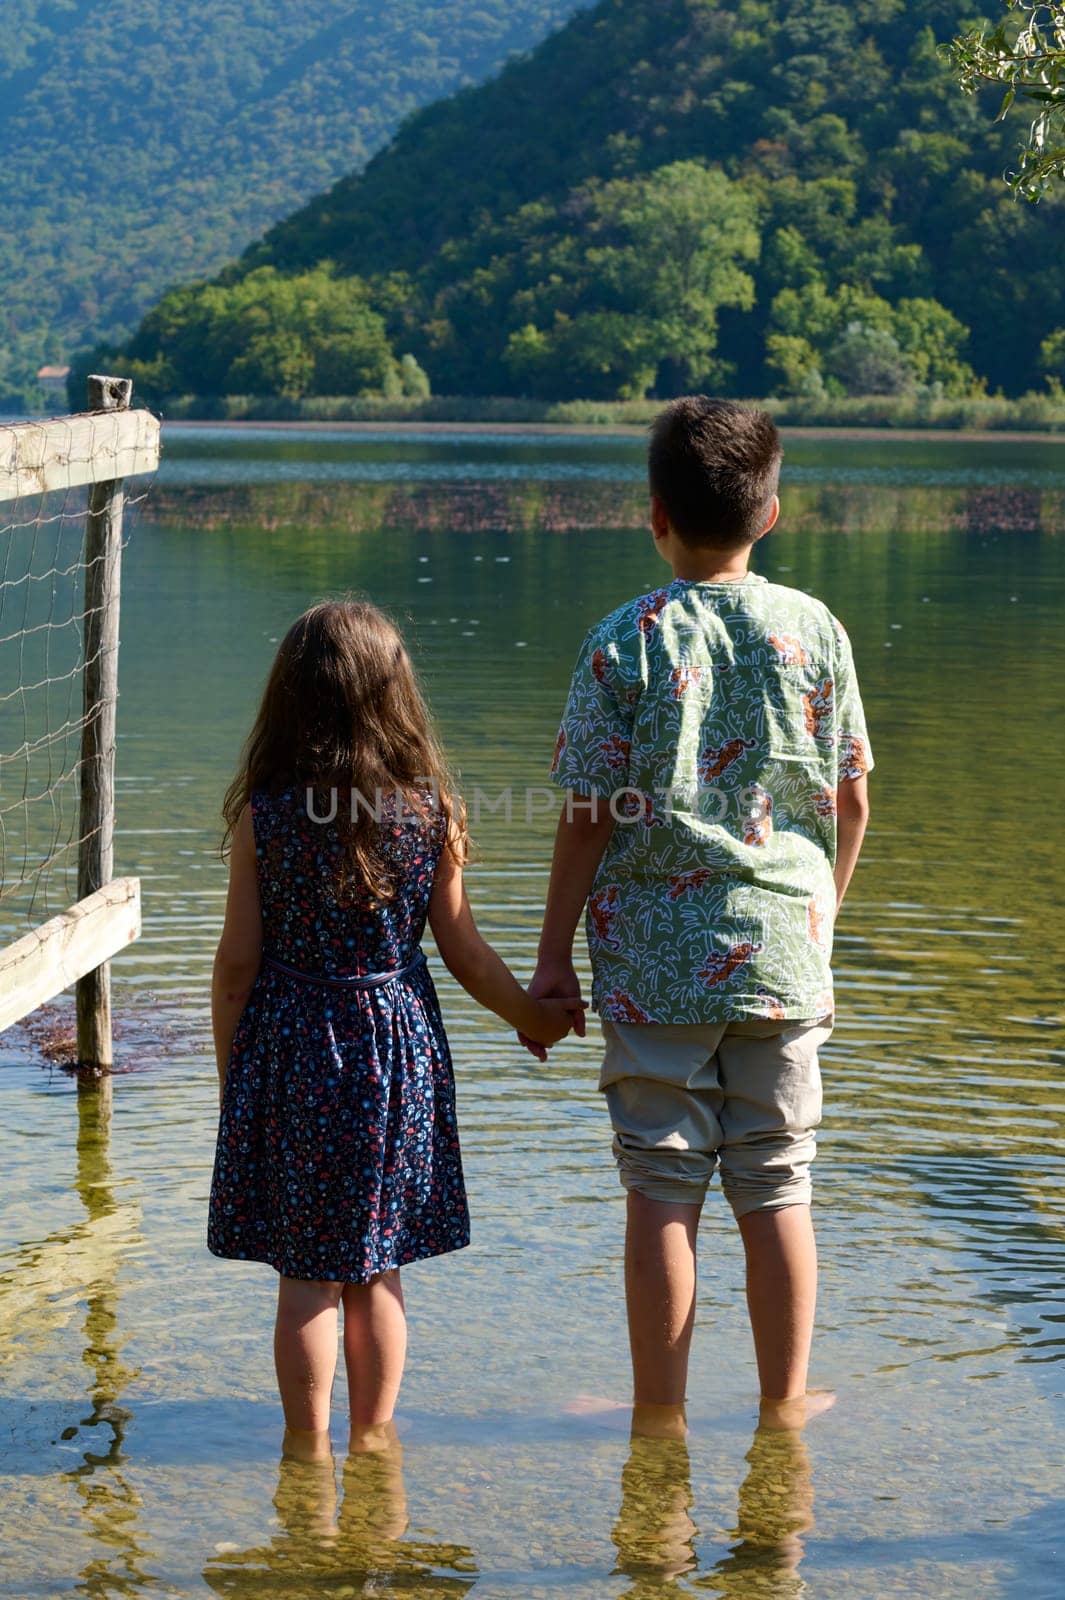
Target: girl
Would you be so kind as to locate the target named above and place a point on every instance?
(338, 1155)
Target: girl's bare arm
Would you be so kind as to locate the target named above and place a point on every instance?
(481, 972)
(239, 954)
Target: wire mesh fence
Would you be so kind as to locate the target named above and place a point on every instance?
(53, 593)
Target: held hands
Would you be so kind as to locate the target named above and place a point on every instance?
(557, 990)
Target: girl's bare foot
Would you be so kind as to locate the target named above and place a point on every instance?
(369, 1438)
(303, 1444)
(796, 1412)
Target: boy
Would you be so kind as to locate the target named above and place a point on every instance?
(715, 754)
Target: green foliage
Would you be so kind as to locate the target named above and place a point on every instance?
(862, 344)
(265, 334)
(1045, 411)
(868, 361)
(413, 379)
(1052, 360)
(677, 192)
(599, 294)
(1025, 54)
(144, 142)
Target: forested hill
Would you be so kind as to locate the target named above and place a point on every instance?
(777, 194)
(143, 141)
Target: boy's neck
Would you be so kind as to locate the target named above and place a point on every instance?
(710, 566)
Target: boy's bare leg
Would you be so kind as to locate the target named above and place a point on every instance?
(781, 1297)
(375, 1349)
(660, 1295)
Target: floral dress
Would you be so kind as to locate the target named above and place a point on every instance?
(338, 1151)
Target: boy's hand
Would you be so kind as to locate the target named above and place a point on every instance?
(556, 980)
(556, 1018)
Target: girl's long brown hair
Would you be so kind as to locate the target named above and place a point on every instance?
(342, 709)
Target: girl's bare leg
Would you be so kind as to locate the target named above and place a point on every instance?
(375, 1349)
(305, 1351)
(660, 1294)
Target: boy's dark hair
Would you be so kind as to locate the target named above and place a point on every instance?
(715, 466)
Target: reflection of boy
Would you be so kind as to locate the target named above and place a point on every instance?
(728, 711)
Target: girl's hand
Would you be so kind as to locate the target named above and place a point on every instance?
(551, 1021)
(556, 980)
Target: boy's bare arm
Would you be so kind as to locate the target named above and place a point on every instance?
(580, 840)
(852, 814)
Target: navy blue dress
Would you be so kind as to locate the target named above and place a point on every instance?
(338, 1151)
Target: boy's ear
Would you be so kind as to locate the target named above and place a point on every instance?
(659, 519)
(774, 513)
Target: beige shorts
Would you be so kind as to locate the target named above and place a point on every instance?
(686, 1097)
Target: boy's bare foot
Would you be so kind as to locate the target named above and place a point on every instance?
(648, 1422)
(590, 1405)
(783, 1415)
(659, 1422)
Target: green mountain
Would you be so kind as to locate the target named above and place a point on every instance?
(781, 196)
(146, 141)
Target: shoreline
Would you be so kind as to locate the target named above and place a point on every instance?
(847, 432)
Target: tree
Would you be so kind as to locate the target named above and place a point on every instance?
(931, 340)
(623, 283)
(869, 361)
(265, 334)
(1052, 360)
(413, 379)
(863, 344)
(617, 251)
(1029, 59)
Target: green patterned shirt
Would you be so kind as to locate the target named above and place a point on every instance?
(718, 719)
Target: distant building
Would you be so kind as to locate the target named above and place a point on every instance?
(53, 380)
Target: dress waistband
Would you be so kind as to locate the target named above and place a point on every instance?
(373, 980)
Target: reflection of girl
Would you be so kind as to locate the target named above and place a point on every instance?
(338, 1154)
(357, 1549)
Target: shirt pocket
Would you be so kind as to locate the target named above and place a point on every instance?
(800, 713)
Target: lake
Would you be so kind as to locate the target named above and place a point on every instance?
(140, 1431)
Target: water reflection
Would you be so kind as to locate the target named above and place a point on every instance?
(654, 1530)
(655, 1535)
(776, 1507)
(353, 1545)
(109, 1502)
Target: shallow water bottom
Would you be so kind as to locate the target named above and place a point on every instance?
(728, 1513)
(140, 1434)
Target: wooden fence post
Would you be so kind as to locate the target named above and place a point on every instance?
(103, 559)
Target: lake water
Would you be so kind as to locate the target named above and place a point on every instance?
(139, 1427)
